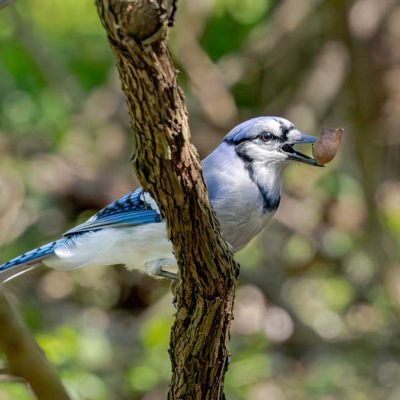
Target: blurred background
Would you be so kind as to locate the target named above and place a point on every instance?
(317, 308)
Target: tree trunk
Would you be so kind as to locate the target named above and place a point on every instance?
(168, 167)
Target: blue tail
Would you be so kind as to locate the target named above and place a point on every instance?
(30, 258)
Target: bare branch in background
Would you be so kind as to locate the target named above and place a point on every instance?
(320, 88)
(25, 359)
(206, 79)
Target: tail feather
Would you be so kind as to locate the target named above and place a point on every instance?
(12, 273)
(27, 260)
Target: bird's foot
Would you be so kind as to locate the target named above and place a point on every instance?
(166, 274)
(158, 268)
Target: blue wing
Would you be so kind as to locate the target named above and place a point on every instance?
(130, 210)
(135, 208)
(31, 257)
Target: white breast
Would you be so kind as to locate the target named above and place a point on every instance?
(240, 222)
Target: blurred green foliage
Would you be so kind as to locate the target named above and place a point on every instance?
(318, 303)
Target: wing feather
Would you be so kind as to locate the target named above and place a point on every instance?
(135, 208)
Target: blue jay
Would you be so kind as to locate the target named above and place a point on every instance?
(244, 178)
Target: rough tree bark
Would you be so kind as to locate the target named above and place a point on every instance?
(24, 358)
(168, 167)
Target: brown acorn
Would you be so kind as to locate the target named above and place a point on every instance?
(325, 148)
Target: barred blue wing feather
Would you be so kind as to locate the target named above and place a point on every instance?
(135, 208)
(31, 257)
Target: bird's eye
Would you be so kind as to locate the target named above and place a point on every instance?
(266, 136)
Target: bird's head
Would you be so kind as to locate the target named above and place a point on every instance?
(269, 141)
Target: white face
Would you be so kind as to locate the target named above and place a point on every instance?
(268, 140)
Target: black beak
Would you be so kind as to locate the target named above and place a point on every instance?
(296, 155)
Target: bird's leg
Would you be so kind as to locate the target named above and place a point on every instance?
(155, 268)
(169, 275)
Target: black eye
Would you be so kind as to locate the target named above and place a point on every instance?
(265, 136)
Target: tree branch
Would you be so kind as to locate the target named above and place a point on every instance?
(25, 359)
(168, 167)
